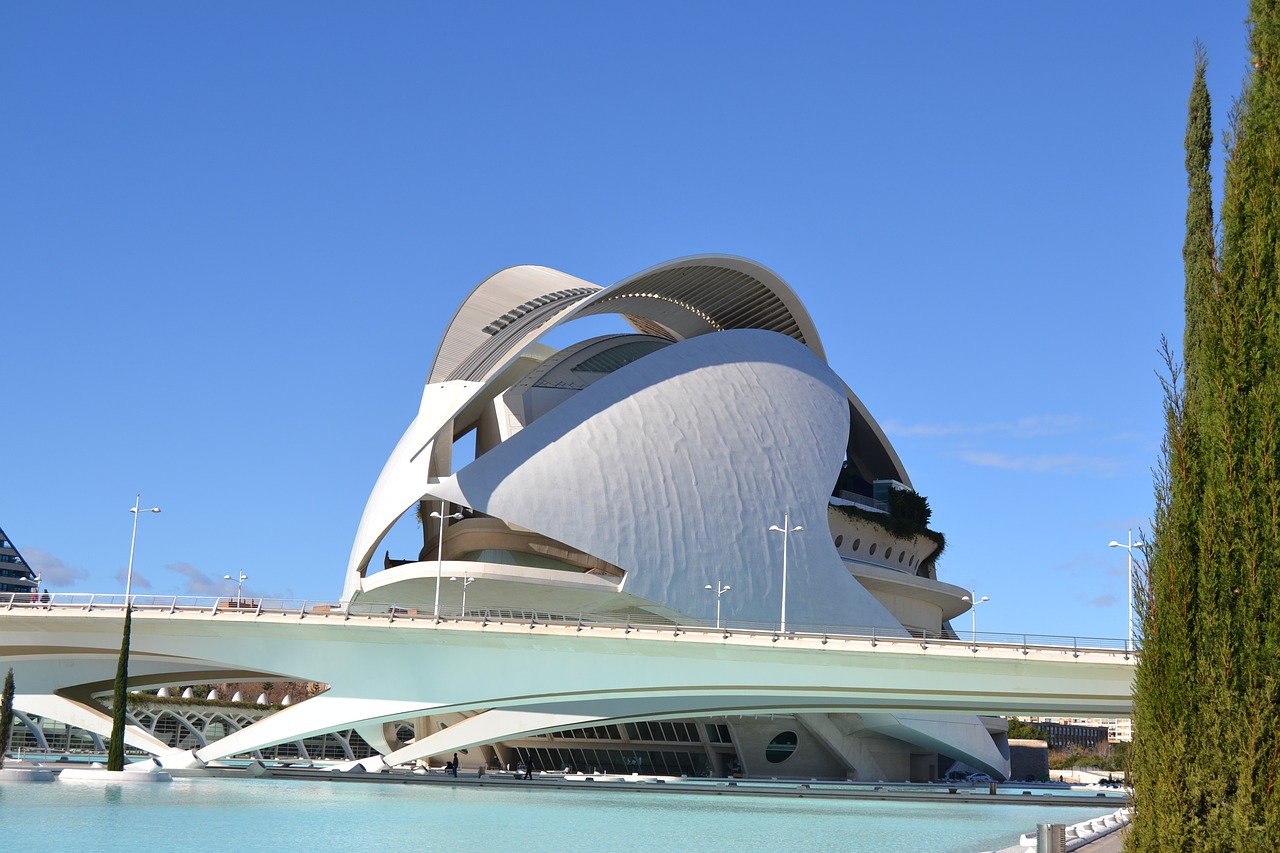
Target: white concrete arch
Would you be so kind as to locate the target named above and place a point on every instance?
(707, 293)
(556, 675)
(507, 302)
(684, 297)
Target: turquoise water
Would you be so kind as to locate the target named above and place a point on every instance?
(235, 815)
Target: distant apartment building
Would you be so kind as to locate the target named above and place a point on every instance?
(1118, 729)
(15, 575)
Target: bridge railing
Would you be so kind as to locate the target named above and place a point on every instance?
(253, 606)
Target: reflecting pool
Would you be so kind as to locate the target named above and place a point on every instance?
(260, 814)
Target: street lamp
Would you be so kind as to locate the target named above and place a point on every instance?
(973, 610)
(720, 590)
(786, 530)
(440, 549)
(128, 578)
(1141, 546)
(466, 582)
(239, 583)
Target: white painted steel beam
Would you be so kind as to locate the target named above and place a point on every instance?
(380, 671)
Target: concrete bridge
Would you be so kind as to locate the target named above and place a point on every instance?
(516, 677)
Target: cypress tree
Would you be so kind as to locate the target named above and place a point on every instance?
(119, 698)
(1162, 765)
(6, 715)
(1198, 249)
(1207, 751)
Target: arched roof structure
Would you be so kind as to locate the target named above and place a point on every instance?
(511, 302)
(676, 300)
(502, 320)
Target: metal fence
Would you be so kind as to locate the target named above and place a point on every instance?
(216, 607)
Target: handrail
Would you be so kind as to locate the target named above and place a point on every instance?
(223, 607)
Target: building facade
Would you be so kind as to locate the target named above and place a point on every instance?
(649, 475)
(16, 575)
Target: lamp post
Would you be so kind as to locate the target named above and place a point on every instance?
(720, 590)
(974, 601)
(466, 582)
(239, 584)
(128, 578)
(119, 699)
(440, 549)
(1141, 546)
(786, 530)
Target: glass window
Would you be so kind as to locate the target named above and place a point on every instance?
(781, 747)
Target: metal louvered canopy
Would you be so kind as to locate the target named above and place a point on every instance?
(677, 300)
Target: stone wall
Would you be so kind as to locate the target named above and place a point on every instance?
(1028, 760)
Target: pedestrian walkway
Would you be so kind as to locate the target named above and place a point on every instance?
(1112, 843)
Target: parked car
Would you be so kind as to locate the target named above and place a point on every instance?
(977, 777)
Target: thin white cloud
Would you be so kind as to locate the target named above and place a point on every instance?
(1045, 463)
(197, 582)
(52, 570)
(139, 580)
(1133, 435)
(1088, 561)
(1101, 601)
(1031, 426)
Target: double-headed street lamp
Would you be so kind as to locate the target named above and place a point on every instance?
(444, 505)
(786, 530)
(128, 578)
(239, 584)
(974, 601)
(1140, 546)
(719, 590)
(466, 582)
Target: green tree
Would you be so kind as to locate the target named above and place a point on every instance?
(1206, 759)
(6, 715)
(1019, 730)
(119, 698)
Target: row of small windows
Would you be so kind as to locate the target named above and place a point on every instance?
(13, 587)
(673, 732)
(589, 733)
(647, 762)
(13, 573)
(718, 733)
(520, 310)
(888, 552)
(10, 558)
(676, 732)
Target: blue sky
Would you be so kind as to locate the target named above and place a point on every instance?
(232, 234)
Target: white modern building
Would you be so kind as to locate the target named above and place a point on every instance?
(701, 469)
(634, 475)
(624, 474)
(16, 575)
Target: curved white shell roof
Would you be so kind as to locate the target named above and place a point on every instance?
(674, 467)
(753, 424)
